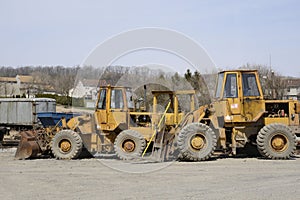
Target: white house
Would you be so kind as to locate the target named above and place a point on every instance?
(87, 89)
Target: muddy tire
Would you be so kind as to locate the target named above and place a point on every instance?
(196, 142)
(66, 144)
(276, 141)
(129, 144)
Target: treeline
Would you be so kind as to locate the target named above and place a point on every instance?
(61, 79)
(57, 79)
(29, 70)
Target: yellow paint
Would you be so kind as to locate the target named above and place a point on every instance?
(271, 120)
(152, 137)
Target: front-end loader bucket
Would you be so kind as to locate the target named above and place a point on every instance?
(28, 147)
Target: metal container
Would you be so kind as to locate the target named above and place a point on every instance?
(54, 118)
(23, 112)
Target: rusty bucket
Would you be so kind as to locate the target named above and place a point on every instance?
(28, 147)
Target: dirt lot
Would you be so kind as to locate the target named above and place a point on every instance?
(243, 178)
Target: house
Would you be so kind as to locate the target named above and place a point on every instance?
(87, 89)
(292, 90)
(23, 86)
(16, 86)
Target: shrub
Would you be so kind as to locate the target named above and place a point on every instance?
(63, 100)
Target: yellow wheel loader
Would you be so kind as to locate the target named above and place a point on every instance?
(238, 119)
(117, 126)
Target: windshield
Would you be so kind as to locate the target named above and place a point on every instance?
(219, 85)
(102, 100)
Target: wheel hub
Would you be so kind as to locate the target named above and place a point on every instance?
(197, 142)
(128, 146)
(279, 143)
(65, 145)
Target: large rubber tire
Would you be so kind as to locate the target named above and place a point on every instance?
(196, 142)
(66, 144)
(129, 144)
(276, 141)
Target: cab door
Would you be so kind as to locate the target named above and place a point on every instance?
(118, 112)
(252, 96)
(232, 92)
(101, 110)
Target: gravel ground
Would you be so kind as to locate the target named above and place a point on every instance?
(230, 178)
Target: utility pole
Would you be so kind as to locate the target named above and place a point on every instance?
(274, 96)
(270, 61)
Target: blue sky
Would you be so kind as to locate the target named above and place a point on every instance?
(232, 32)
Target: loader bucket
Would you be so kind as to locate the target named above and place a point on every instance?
(28, 147)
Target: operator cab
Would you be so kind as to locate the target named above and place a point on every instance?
(120, 98)
(241, 91)
(113, 105)
(229, 81)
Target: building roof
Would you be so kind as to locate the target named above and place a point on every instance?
(26, 79)
(93, 82)
(8, 79)
(239, 70)
(23, 79)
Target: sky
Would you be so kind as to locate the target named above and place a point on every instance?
(232, 32)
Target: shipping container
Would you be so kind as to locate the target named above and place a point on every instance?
(23, 112)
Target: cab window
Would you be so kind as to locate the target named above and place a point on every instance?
(117, 101)
(230, 90)
(102, 100)
(219, 85)
(250, 85)
(129, 99)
